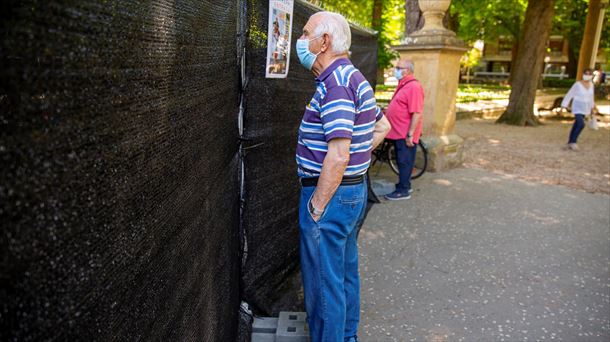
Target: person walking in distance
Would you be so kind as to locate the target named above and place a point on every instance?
(405, 116)
(583, 103)
(340, 127)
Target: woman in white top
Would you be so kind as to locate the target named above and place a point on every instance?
(583, 103)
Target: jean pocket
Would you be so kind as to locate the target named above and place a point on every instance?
(351, 200)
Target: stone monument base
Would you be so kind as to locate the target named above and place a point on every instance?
(436, 55)
(444, 152)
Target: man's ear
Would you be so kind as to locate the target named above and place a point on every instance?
(325, 42)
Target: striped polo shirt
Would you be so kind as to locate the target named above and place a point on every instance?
(343, 106)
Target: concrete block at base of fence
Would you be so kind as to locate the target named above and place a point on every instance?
(266, 325)
(289, 327)
(262, 337)
(292, 327)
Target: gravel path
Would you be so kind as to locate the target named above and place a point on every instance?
(537, 153)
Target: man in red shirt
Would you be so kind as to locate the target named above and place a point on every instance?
(405, 115)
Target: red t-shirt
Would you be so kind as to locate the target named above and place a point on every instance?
(407, 99)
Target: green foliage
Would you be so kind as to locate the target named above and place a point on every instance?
(472, 93)
(361, 12)
(557, 83)
(471, 58)
(394, 20)
(605, 41)
(257, 37)
(390, 32)
(466, 93)
(569, 21)
(489, 19)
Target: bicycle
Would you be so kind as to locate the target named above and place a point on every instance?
(384, 153)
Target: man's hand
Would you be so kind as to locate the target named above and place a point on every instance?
(410, 141)
(415, 120)
(314, 212)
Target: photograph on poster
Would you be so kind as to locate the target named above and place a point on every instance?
(279, 35)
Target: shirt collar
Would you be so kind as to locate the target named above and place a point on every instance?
(406, 79)
(329, 70)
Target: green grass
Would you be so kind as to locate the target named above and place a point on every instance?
(481, 92)
(466, 93)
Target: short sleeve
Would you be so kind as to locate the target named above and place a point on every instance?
(416, 99)
(338, 112)
(378, 113)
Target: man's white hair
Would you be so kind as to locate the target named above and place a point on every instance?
(409, 65)
(336, 26)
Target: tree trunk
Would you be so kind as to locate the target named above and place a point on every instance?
(590, 39)
(377, 25)
(377, 13)
(572, 66)
(451, 22)
(413, 17)
(526, 71)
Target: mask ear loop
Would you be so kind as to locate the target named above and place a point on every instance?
(315, 54)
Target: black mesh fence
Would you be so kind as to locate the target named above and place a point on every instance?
(274, 109)
(119, 179)
(120, 152)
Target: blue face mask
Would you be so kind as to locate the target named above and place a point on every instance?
(306, 57)
(398, 74)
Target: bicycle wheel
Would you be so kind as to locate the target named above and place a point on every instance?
(421, 160)
(392, 158)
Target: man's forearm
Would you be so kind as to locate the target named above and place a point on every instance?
(414, 122)
(333, 168)
(329, 181)
(382, 127)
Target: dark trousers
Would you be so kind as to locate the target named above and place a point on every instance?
(579, 124)
(405, 158)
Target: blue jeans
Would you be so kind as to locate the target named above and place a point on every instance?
(329, 263)
(405, 158)
(579, 124)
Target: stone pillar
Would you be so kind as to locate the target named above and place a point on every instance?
(436, 53)
(591, 36)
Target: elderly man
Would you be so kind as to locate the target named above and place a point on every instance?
(405, 115)
(341, 126)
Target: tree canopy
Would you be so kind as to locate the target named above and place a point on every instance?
(391, 28)
(475, 19)
(488, 20)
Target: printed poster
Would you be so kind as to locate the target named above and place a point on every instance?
(279, 35)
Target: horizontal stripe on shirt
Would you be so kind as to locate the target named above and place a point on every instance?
(343, 106)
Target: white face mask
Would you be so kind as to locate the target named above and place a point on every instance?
(587, 77)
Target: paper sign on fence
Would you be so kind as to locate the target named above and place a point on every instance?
(279, 35)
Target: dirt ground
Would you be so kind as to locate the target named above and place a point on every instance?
(538, 154)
